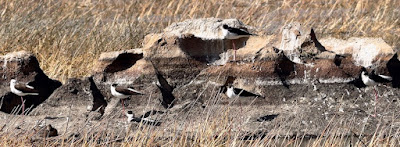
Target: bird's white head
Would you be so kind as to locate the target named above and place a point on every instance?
(113, 87)
(13, 81)
(225, 31)
(364, 73)
(130, 115)
(230, 87)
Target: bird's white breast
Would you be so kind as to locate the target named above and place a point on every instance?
(117, 94)
(14, 90)
(366, 80)
(130, 117)
(230, 93)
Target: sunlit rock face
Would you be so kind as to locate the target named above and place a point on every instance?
(194, 55)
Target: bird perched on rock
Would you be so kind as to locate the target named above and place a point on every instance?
(143, 118)
(22, 89)
(232, 33)
(123, 93)
(372, 79)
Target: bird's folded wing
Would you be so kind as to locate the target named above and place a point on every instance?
(127, 91)
(25, 88)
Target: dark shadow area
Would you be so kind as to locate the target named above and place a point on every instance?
(205, 51)
(122, 62)
(318, 45)
(283, 67)
(208, 51)
(267, 117)
(98, 98)
(393, 66)
(338, 60)
(166, 89)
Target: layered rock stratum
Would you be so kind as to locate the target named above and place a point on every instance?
(303, 81)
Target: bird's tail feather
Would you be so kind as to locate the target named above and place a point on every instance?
(386, 77)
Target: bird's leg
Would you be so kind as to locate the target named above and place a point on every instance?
(123, 106)
(234, 48)
(376, 100)
(23, 105)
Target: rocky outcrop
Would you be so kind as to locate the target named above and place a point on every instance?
(298, 79)
(195, 61)
(24, 67)
(364, 51)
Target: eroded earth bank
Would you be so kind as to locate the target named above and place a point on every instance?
(302, 85)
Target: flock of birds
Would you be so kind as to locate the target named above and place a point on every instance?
(230, 33)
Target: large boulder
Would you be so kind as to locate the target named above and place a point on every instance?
(24, 67)
(365, 51)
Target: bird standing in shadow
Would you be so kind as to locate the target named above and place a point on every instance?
(22, 89)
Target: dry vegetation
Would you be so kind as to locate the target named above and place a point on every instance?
(218, 129)
(68, 36)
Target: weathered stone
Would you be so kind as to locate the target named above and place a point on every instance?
(365, 51)
(204, 28)
(24, 67)
(300, 43)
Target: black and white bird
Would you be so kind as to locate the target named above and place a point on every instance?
(232, 92)
(123, 93)
(143, 119)
(372, 79)
(22, 89)
(234, 33)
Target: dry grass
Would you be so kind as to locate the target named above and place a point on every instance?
(217, 129)
(67, 36)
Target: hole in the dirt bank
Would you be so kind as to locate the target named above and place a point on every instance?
(202, 50)
(209, 51)
(267, 117)
(11, 103)
(122, 62)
